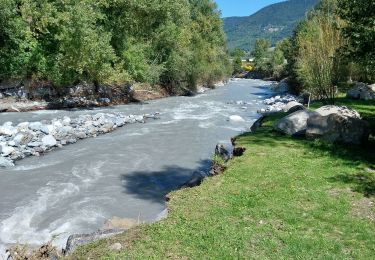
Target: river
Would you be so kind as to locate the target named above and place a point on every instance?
(125, 173)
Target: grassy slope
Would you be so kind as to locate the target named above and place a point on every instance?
(285, 198)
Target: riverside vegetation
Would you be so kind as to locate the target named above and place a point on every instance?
(173, 44)
(330, 48)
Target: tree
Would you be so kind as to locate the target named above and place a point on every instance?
(359, 29)
(317, 64)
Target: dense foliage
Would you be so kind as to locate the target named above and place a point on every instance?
(274, 22)
(360, 31)
(173, 43)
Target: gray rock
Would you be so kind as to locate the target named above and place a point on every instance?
(6, 150)
(7, 130)
(49, 141)
(338, 128)
(361, 91)
(5, 162)
(342, 111)
(34, 144)
(221, 152)
(294, 124)
(293, 106)
(35, 126)
(83, 239)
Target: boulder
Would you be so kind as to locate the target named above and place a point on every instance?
(5, 162)
(293, 106)
(49, 141)
(339, 127)
(221, 152)
(342, 111)
(238, 151)
(362, 91)
(294, 124)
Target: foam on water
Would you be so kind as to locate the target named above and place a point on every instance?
(23, 224)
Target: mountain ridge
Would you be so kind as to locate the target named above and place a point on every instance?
(273, 22)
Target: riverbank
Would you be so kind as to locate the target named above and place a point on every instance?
(84, 96)
(284, 198)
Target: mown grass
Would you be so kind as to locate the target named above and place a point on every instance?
(284, 199)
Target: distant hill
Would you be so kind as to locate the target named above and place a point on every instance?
(273, 22)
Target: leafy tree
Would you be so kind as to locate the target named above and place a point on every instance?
(317, 64)
(177, 44)
(359, 29)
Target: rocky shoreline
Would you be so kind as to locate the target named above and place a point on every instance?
(37, 138)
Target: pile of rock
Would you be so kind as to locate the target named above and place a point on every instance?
(277, 103)
(35, 138)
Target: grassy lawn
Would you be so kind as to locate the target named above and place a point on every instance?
(284, 199)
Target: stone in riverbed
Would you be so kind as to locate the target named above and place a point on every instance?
(34, 144)
(7, 130)
(6, 150)
(236, 119)
(36, 126)
(49, 141)
(5, 162)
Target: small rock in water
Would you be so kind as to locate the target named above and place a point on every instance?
(236, 118)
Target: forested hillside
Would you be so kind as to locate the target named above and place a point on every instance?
(274, 22)
(171, 43)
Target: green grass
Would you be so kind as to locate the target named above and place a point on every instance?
(284, 199)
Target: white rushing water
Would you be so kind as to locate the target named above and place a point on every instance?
(125, 173)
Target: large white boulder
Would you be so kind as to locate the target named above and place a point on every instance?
(294, 124)
(362, 91)
(338, 125)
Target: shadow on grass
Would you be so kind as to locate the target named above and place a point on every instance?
(154, 185)
(357, 157)
(364, 182)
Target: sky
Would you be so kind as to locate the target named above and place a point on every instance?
(242, 7)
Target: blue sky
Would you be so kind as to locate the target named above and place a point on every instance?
(242, 7)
